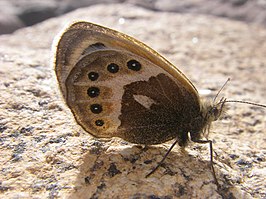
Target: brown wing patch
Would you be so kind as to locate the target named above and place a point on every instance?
(164, 119)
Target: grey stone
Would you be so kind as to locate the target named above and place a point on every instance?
(45, 154)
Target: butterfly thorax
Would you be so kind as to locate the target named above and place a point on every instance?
(210, 112)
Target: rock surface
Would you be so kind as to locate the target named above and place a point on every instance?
(45, 154)
(16, 14)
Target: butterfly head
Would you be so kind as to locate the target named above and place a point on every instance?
(216, 110)
(212, 111)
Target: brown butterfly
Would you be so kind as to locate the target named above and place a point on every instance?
(116, 86)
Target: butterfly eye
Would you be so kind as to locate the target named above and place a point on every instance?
(215, 112)
(99, 122)
(93, 76)
(134, 65)
(113, 68)
(96, 108)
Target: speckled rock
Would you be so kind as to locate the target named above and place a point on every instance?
(45, 154)
(15, 14)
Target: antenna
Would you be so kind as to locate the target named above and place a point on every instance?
(214, 99)
(224, 100)
(246, 102)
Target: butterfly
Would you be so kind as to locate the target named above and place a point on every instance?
(116, 86)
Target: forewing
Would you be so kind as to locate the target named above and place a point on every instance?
(100, 105)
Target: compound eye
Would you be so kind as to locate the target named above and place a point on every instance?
(215, 112)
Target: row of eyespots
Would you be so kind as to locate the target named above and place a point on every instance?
(114, 68)
(95, 91)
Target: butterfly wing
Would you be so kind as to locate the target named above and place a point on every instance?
(117, 86)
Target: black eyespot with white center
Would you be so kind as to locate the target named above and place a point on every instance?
(134, 65)
(93, 92)
(113, 68)
(96, 108)
(93, 76)
(99, 122)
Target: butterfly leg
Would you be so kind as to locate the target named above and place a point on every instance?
(211, 157)
(164, 157)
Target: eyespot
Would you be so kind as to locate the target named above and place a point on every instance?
(97, 45)
(134, 65)
(113, 68)
(93, 47)
(99, 122)
(93, 92)
(96, 108)
(93, 76)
